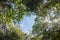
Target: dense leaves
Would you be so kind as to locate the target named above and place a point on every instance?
(46, 27)
(11, 33)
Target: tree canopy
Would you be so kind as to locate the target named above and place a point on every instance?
(47, 22)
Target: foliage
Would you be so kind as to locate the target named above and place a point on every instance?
(49, 26)
(11, 10)
(41, 7)
(11, 33)
(46, 24)
(15, 9)
(47, 21)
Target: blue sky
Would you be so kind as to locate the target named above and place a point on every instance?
(27, 23)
